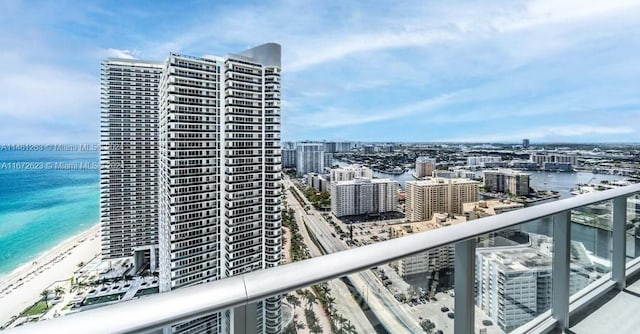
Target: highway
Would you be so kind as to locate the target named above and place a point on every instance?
(393, 315)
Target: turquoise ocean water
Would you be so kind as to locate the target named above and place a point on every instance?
(45, 198)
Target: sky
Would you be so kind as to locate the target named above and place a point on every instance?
(417, 71)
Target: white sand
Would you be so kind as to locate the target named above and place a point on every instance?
(22, 287)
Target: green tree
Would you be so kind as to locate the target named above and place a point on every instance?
(45, 296)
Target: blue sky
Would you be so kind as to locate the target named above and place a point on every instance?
(548, 70)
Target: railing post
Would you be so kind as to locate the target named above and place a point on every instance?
(464, 280)
(618, 258)
(245, 319)
(561, 268)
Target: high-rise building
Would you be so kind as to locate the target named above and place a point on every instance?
(289, 157)
(525, 143)
(363, 196)
(350, 172)
(220, 165)
(129, 160)
(506, 181)
(541, 158)
(426, 197)
(309, 158)
(425, 166)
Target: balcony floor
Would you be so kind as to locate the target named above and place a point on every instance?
(616, 312)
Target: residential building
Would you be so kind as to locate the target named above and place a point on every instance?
(309, 158)
(523, 164)
(350, 172)
(363, 196)
(506, 181)
(480, 161)
(289, 157)
(430, 261)
(219, 167)
(319, 182)
(541, 158)
(425, 166)
(525, 143)
(513, 284)
(129, 160)
(328, 160)
(438, 195)
(557, 166)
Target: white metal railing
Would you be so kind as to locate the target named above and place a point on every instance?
(157, 311)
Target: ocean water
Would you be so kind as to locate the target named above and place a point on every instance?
(45, 198)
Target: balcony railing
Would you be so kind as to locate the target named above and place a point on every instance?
(240, 292)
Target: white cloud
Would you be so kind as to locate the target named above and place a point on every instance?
(118, 53)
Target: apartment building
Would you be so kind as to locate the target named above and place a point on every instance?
(513, 284)
(220, 162)
(426, 197)
(506, 181)
(129, 160)
(309, 158)
(481, 161)
(425, 166)
(350, 172)
(363, 196)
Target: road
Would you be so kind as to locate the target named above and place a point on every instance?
(393, 315)
(344, 303)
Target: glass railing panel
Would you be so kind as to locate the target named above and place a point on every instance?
(513, 274)
(633, 227)
(591, 245)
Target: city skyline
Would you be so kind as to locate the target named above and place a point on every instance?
(409, 72)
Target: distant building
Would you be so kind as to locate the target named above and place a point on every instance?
(525, 143)
(454, 174)
(506, 181)
(495, 164)
(523, 164)
(318, 182)
(289, 157)
(557, 167)
(480, 161)
(350, 172)
(438, 195)
(368, 149)
(328, 159)
(309, 158)
(363, 196)
(337, 147)
(542, 158)
(513, 284)
(425, 166)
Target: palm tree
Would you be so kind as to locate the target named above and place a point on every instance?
(349, 328)
(59, 290)
(311, 299)
(45, 295)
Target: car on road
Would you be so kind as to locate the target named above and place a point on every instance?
(450, 315)
(444, 309)
(487, 322)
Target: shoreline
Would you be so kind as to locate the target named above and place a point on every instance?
(22, 286)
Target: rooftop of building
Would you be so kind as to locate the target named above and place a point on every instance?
(506, 171)
(441, 180)
(491, 207)
(364, 180)
(437, 221)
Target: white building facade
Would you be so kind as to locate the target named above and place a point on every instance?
(348, 173)
(220, 163)
(363, 196)
(309, 158)
(129, 160)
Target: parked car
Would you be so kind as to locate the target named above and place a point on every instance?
(444, 309)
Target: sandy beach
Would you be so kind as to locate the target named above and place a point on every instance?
(23, 286)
